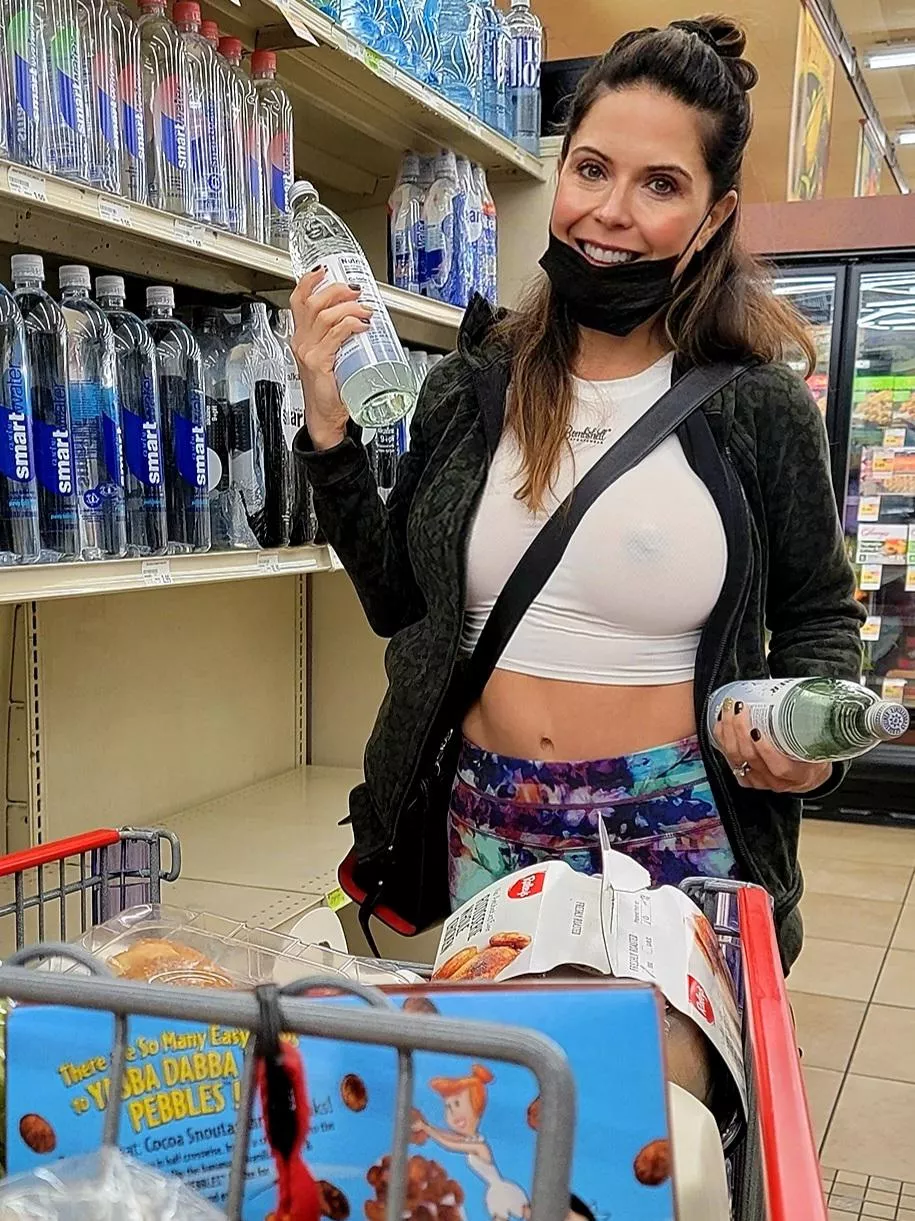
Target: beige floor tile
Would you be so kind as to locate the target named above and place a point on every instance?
(871, 1129)
(904, 938)
(839, 918)
(837, 968)
(822, 1086)
(856, 879)
(886, 1047)
(896, 985)
(826, 1028)
(857, 842)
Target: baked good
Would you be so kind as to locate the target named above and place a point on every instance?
(353, 1092)
(160, 960)
(334, 1203)
(37, 1133)
(487, 964)
(456, 962)
(514, 941)
(652, 1164)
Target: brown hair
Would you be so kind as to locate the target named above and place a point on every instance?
(723, 306)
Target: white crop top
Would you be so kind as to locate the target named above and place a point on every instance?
(642, 573)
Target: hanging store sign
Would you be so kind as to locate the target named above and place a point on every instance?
(811, 111)
(870, 161)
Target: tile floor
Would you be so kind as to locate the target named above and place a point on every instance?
(853, 992)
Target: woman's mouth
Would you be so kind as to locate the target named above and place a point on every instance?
(606, 256)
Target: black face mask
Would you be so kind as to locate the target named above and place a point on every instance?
(617, 299)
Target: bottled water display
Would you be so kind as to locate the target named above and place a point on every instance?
(363, 19)
(95, 418)
(165, 90)
(131, 107)
(19, 535)
(141, 422)
(301, 525)
(526, 35)
(469, 221)
(488, 267)
(103, 134)
(206, 117)
(275, 117)
(25, 71)
(46, 339)
(459, 48)
(65, 62)
(230, 93)
(495, 55)
(441, 263)
(248, 137)
(405, 220)
(372, 372)
(181, 394)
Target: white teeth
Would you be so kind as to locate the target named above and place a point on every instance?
(599, 255)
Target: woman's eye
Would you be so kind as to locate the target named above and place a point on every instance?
(663, 186)
(591, 170)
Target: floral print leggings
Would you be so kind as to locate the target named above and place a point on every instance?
(657, 806)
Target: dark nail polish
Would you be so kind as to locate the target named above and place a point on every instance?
(738, 708)
(720, 714)
(356, 288)
(755, 735)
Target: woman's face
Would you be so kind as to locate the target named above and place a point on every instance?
(459, 1113)
(634, 184)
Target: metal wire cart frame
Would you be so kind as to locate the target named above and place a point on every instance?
(774, 1167)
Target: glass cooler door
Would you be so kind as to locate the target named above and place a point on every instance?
(815, 293)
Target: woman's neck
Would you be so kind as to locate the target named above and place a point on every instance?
(602, 357)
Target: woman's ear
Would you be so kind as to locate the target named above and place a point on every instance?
(721, 211)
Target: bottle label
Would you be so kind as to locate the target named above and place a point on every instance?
(112, 440)
(170, 117)
(24, 53)
(191, 449)
(380, 342)
(406, 255)
(16, 462)
(131, 110)
(53, 447)
(764, 700)
(280, 171)
(293, 409)
(205, 154)
(439, 254)
(525, 62)
(102, 78)
(66, 85)
(143, 439)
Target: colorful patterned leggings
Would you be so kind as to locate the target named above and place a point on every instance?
(657, 806)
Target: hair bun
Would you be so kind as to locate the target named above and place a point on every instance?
(729, 39)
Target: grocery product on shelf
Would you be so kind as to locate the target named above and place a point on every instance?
(19, 532)
(275, 117)
(488, 280)
(815, 718)
(165, 88)
(95, 419)
(441, 262)
(495, 53)
(131, 107)
(66, 126)
(46, 335)
(248, 137)
(469, 224)
(373, 374)
(300, 524)
(458, 35)
(526, 35)
(206, 116)
(26, 81)
(103, 125)
(141, 421)
(183, 405)
(362, 19)
(405, 221)
(228, 523)
(394, 33)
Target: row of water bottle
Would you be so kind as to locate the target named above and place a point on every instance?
(127, 437)
(160, 111)
(443, 230)
(482, 59)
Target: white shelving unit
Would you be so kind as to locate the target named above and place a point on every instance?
(232, 709)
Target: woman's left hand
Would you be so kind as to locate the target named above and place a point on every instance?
(756, 763)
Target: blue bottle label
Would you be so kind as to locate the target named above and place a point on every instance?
(525, 62)
(54, 448)
(143, 445)
(15, 433)
(191, 449)
(112, 442)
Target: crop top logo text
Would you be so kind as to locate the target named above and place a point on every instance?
(588, 436)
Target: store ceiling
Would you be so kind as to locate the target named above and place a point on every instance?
(588, 27)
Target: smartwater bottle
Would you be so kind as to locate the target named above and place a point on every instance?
(489, 266)
(19, 535)
(494, 75)
(66, 128)
(26, 82)
(275, 116)
(184, 438)
(245, 105)
(206, 117)
(300, 525)
(372, 371)
(103, 126)
(442, 208)
(405, 218)
(141, 421)
(131, 108)
(46, 336)
(233, 135)
(95, 417)
(165, 89)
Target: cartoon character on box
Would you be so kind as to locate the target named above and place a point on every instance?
(465, 1101)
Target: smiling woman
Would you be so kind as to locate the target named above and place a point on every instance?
(594, 712)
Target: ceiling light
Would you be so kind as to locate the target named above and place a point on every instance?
(907, 136)
(898, 55)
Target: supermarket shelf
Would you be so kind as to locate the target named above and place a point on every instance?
(76, 221)
(41, 581)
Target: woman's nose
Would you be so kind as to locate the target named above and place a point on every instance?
(615, 210)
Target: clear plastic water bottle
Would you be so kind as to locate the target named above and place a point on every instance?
(363, 19)
(372, 371)
(275, 117)
(26, 81)
(395, 26)
(165, 90)
(388, 446)
(441, 209)
(141, 422)
(495, 53)
(405, 213)
(19, 534)
(95, 418)
(184, 437)
(420, 39)
(330, 8)
(815, 719)
(300, 531)
(419, 361)
(46, 337)
(229, 90)
(103, 138)
(489, 263)
(252, 175)
(131, 109)
(470, 232)
(526, 34)
(68, 153)
(228, 523)
(459, 45)
(206, 117)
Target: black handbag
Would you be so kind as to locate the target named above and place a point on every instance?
(405, 885)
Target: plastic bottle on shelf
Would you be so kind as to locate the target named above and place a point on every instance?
(103, 125)
(95, 417)
(252, 175)
(228, 523)
(526, 34)
(141, 422)
(165, 91)
(131, 109)
(495, 53)
(25, 70)
(458, 33)
(470, 232)
(206, 117)
(405, 216)
(19, 533)
(46, 337)
(419, 360)
(363, 19)
(489, 262)
(441, 210)
(395, 27)
(66, 128)
(228, 91)
(184, 439)
(300, 525)
(420, 39)
(372, 372)
(330, 8)
(275, 116)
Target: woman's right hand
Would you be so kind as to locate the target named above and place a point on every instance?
(323, 322)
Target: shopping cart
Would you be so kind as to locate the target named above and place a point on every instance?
(773, 1163)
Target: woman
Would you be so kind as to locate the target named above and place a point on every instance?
(726, 532)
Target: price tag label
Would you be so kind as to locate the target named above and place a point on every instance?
(335, 562)
(910, 580)
(871, 629)
(156, 572)
(869, 508)
(268, 561)
(337, 899)
(295, 17)
(379, 65)
(893, 689)
(29, 186)
(115, 212)
(871, 576)
(189, 232)
(894, 438)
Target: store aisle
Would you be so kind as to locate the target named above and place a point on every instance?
(853, 992)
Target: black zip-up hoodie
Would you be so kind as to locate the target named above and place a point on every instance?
(759, 446)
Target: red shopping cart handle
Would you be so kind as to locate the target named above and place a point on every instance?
(57, 850)
(791, 1167)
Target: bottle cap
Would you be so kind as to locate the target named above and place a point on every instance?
(301, 190)
(409, 168)
(186, 12)
(231, 48)
(263, 61)
(110, 286)
(27, 267)
(160, 294)
(886, 719)
(74, 275)
(210, 31)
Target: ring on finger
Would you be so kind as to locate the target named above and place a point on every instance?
(743, 770)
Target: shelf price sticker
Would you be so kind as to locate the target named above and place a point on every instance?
(156, 572)
(871, 576)
(189, 232)
(894, 438)
(115, 211)
(910, 579)
(869, 508)
(871, 628)
(29, 186)
(893, 689)
(268, 561)
(337, 898)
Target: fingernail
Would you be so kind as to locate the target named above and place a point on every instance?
(356, 288)
(738, 708)
(755, 735)
(720, 714)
